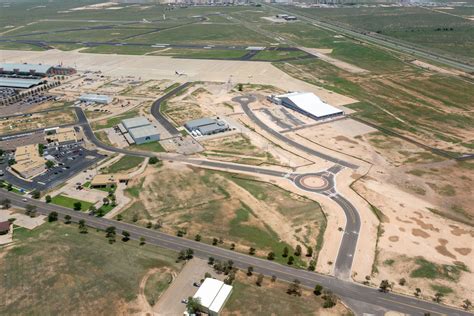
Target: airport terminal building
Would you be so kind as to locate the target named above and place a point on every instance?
(307, 104)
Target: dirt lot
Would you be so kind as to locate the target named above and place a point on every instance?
(215, 204)
(42, 120)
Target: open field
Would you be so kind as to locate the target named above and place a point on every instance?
(110, 122)
(422, 26)
(35, 121)
(431, 108)
(123, 164)
(220, 205)
(86, 273)
(69, 202)
(271, 299)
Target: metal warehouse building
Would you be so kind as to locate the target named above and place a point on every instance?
(138, 130)
(308, 104)
(20, 83)
(206, 126)
(95, 98)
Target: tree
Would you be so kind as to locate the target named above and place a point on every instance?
(9, 187)
(149, 225)
(438, 297)
(329, 298)
(49, 164)
(6, 203)
(119, 217)
(48, 198)
(189, 253)
(240, 87)
(317, 289)
(251, 251)
(402, 281)
(384, 286)
(249, 270)
(35, 194)
(298, 251)
(106, 201)
(291, 260)
(197, 237)
(193, 305)
(67, 219)
(259, 279)
(271, 256)
(274, 278)
(285, 252)
(30, 210)
(92, 209)
(153, 160)
(52, 217)
(215, 241)
(210, 260)
(142, 241)
(309, 252)
(466, 304)
(110, 234)
(41, 149)
(82, 227)
(294, 288)
(125, 236)
(77, 206)
(312, 265)
(417, 292)
(232, 246)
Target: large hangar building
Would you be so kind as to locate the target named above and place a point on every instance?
(307, 104)
(138, 130)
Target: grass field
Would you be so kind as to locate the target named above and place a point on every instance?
(123, 164)
(421, 26)
(210, 204)
(86, 274)
(69, 202)
(201, 53)
(268, 55)
(153, 146)
(271, 299)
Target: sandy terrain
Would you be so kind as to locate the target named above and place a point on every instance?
(160, 67)
(333, 61)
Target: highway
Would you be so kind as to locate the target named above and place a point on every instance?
(369, 300)
(391, 43)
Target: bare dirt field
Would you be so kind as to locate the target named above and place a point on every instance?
(218, 205)
(36, 121)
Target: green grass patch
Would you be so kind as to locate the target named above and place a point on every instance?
(152, 146)
(430, 270)
(124, 163)
(68, 202)
(389, 262)
(202, 53)
(82, 272)
(441, 289)
(114, 120)
(156, 285)
(276, 55)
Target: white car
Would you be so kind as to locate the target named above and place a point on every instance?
(24, 200)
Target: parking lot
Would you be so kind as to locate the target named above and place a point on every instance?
(70, 159)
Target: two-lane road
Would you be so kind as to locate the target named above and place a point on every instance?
(348, 290)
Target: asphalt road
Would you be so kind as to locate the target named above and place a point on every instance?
(246, 100)
(155, 110)
(367, 300)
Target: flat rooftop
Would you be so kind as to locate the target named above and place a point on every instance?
(19, 82)
(135, 122)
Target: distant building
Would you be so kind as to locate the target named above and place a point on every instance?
(29, 162)
(109, 180)
(35, 70)
(138, 130)
(20, 83)
(206, 126)
(213, 294)
(95, 98)
(61, 135)
(307, 104)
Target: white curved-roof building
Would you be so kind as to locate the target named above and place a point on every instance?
(308, 104)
